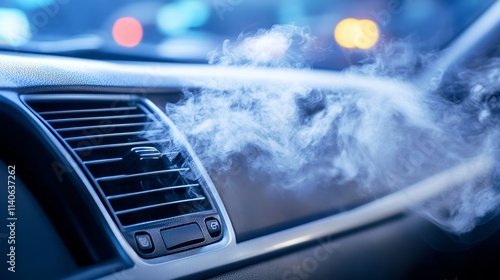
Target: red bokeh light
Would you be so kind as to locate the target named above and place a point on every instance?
(127, 32)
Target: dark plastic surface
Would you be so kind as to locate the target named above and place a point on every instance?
(34, 239)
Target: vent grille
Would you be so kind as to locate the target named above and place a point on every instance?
(119, 144)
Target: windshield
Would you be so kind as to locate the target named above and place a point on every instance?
(186, 30)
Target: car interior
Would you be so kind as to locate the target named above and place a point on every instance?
(117, 168)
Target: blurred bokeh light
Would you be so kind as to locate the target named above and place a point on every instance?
(14, 27)
(353, 33)
(127, 32)
(178, 17)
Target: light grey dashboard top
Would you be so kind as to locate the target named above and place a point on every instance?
(31, 73)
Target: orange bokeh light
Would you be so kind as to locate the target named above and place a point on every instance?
(353, 33)
(127, 32)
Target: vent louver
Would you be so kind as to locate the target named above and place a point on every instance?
(118, 143)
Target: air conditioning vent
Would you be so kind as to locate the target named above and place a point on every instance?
(142, 174)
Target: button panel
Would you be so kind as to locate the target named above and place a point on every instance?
(174, 238)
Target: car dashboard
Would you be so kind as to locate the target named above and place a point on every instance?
(107, 186)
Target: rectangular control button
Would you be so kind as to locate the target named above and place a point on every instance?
(182, 236)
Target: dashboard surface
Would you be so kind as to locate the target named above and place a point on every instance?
(335, 228)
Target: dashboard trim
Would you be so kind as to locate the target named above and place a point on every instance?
(227, 253)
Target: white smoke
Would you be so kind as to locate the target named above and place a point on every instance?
(383, 138)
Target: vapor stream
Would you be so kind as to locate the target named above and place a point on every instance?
(384, 139)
